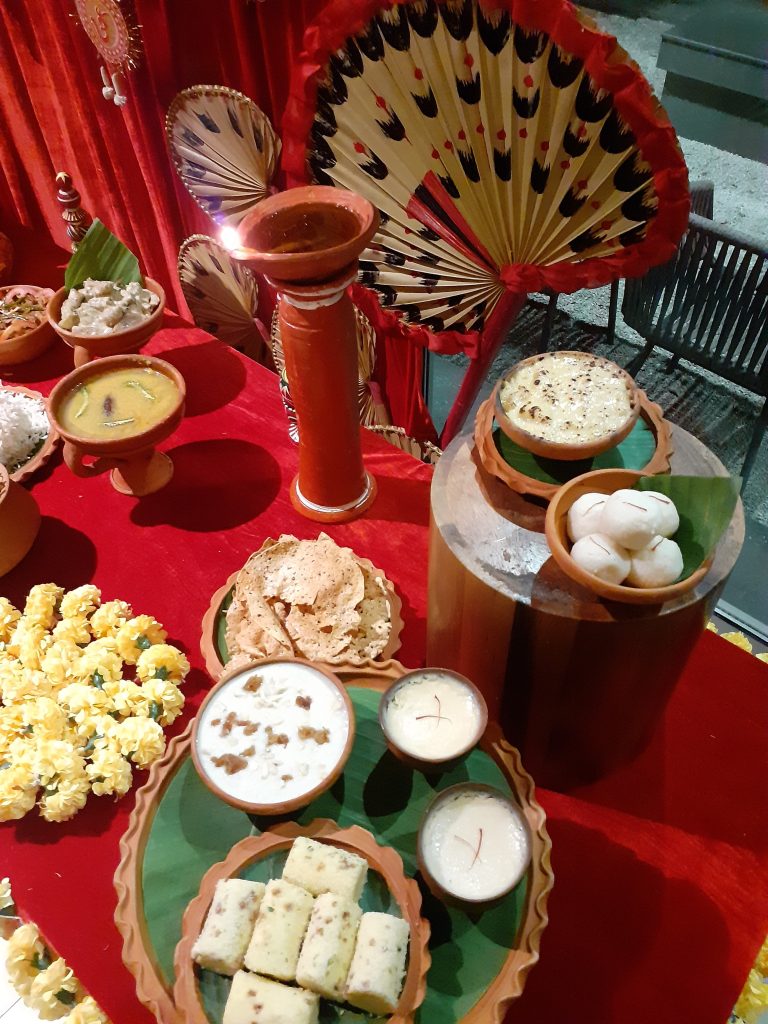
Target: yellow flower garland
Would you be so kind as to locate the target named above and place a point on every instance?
(71, 724)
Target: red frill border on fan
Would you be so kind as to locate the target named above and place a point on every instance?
(606, 63)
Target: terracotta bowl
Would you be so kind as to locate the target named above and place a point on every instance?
(130, 340)
(19, 522)
(46, 450)
(553, 449)
(604, 481)
(275, 809)
(432, 764)
(437, 890)
(309, 233)
(137, 468)
(30, 345)
(383, 859)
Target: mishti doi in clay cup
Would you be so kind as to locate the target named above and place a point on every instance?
(116, 410)
(431, 718)
(307, 242)
(474, 845)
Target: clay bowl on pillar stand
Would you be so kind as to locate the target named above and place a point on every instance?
(307, 242)
(136, 467)
(19, 522)
(130, 340)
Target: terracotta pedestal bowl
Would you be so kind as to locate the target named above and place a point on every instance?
(130, 340)
(31, 344)
(19, 522)
(136, 467)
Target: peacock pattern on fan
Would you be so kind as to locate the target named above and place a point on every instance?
(508, 145)
(222, 295)
(224, 148)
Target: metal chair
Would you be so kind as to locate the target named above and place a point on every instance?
(708, 305)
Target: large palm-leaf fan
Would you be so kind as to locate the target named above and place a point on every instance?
(509, 145)
(224, 148)
(222, 295)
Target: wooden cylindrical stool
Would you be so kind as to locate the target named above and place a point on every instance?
(577, 683)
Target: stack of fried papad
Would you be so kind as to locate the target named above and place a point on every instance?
(309, 599)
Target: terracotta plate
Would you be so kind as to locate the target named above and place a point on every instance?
(213, 644)
(386, 873)
(48, 445)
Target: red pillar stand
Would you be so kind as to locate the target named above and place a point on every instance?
(307, 241)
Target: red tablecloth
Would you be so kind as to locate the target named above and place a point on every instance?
(661, 894)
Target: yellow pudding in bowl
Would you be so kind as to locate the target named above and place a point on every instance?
(118, 403)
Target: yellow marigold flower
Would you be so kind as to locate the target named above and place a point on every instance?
(81, 602)
(163, 700)
(22, 755)
(9, 616)
(711, 627)
(140, 739)
(46, 718)
(126, 697)
(61, 663)
(110, 773)
(48, 986)
(738, 640)
(32, 642)
(69, 796)
(84, 701)
(99, 665)
(108, 619)
(162, 661)
(76, 630)
(6, 899)
(763, 657)
(41, 604)
(18, 792)
(137, 635)
(87, 1012)
(24, 947)
(55, 758)
(12, 683)
(753, 998)
(97, 725)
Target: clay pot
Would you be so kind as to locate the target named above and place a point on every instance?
(130, 340)
(278, 808)
(29, 345)
(605, 481)
(137, 469)
(307, 241)
(566, 452)
(19, 522)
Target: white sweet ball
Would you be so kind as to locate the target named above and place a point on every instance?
(584, 515)
(602, 557)
(666, 513)
(658, 565)
(628, 519)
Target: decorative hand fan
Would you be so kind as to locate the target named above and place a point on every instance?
(509, 145)
(372, 409)
(222, 295)
(224, 149)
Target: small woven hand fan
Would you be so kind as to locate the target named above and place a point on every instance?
(222, 295)
(508, 144)
(224, 148)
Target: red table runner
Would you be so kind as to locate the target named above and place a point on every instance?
(661, 897)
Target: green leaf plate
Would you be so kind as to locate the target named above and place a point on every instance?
(102, 257)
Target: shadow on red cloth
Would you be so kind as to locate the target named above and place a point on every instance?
(207, 493)
(607, 920)
(49, 367)
(219, 383)
(70, 561)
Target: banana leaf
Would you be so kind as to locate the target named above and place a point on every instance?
(705, 505)
(102, 257)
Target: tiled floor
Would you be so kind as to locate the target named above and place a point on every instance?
(12, 1010)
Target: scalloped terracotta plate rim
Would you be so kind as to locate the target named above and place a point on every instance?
(46, 450)
(494, 464)
(383, 859)
(214, 665)
(503, 990)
